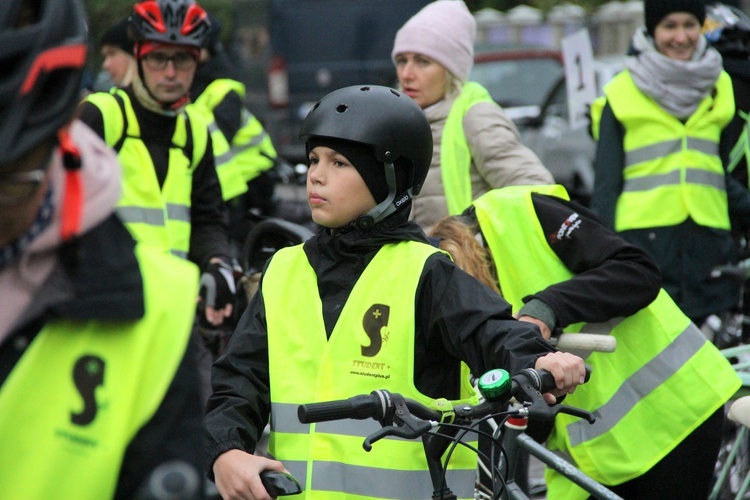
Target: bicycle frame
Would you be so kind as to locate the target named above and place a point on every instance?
(515, 440)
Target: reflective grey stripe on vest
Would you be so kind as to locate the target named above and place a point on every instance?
(661, 149)
(225, 157)
(150, 216)
(179, 253)
(154, 216)
(692, 176)
(386, 483)
(256, 140)
(178, 212)
(639, 385)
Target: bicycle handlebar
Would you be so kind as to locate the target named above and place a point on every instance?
(409, 419)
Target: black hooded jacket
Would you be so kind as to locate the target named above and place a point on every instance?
(457, 318)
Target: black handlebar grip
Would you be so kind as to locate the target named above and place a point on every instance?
(547, 380)
(357, 407)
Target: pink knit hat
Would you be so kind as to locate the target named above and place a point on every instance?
(443, 30)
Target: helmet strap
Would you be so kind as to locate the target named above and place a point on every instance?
(387, 206)
(72, 204)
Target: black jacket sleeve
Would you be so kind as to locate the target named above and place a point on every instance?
(608, 166)
(239, 406)
(461, 319)
(612, 278)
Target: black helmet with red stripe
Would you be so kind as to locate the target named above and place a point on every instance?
(42, 56)
(176, 22)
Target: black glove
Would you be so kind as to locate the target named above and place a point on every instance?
(217, 288)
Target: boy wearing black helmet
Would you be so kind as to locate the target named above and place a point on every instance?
(365, 304)
(84, 410)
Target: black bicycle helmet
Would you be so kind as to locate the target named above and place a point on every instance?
(388, 121)
(177, 22)
(727, 28)
(42, 55)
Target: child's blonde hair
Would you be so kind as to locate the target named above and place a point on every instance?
(457, 238)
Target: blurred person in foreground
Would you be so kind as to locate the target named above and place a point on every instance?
(84, 410)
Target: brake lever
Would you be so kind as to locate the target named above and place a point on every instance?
(398, 421)
(577, 412)
(536, 407)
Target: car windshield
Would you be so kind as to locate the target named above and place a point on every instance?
(518, 82)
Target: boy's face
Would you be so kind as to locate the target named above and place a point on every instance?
(336, 192)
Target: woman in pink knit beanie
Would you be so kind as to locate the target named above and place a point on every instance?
(476, 146)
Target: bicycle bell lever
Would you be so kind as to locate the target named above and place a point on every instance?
(399, 422)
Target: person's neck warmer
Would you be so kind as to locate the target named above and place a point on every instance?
(677, 86)
(148, 101)
(25, 276)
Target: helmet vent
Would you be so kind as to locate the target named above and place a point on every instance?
(341, 108)
(395, 93)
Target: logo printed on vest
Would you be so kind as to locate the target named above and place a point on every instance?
(88, 374)
(375, 319)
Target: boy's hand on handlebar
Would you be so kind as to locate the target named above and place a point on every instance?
(568, 369)
(237, 475)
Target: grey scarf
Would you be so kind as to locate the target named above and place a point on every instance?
(677, 86)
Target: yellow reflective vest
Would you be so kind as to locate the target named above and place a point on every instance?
(159, 216)
(371, 347)
(83, 389)
(250, 151)
(455, 157)
(741, 149)
(672, 169)
(663, 380)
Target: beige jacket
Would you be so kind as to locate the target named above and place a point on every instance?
(498, 158)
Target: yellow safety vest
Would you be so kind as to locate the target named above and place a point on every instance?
(251, 149)
(154, 215)
(455, 156)
(672, 169)
(741, 149)
(371, 347)
(84, 389)
(663, 380)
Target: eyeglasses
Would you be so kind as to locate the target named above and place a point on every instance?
(157, 61)
(19, 187)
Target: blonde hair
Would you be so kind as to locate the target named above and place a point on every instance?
(457, 238)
